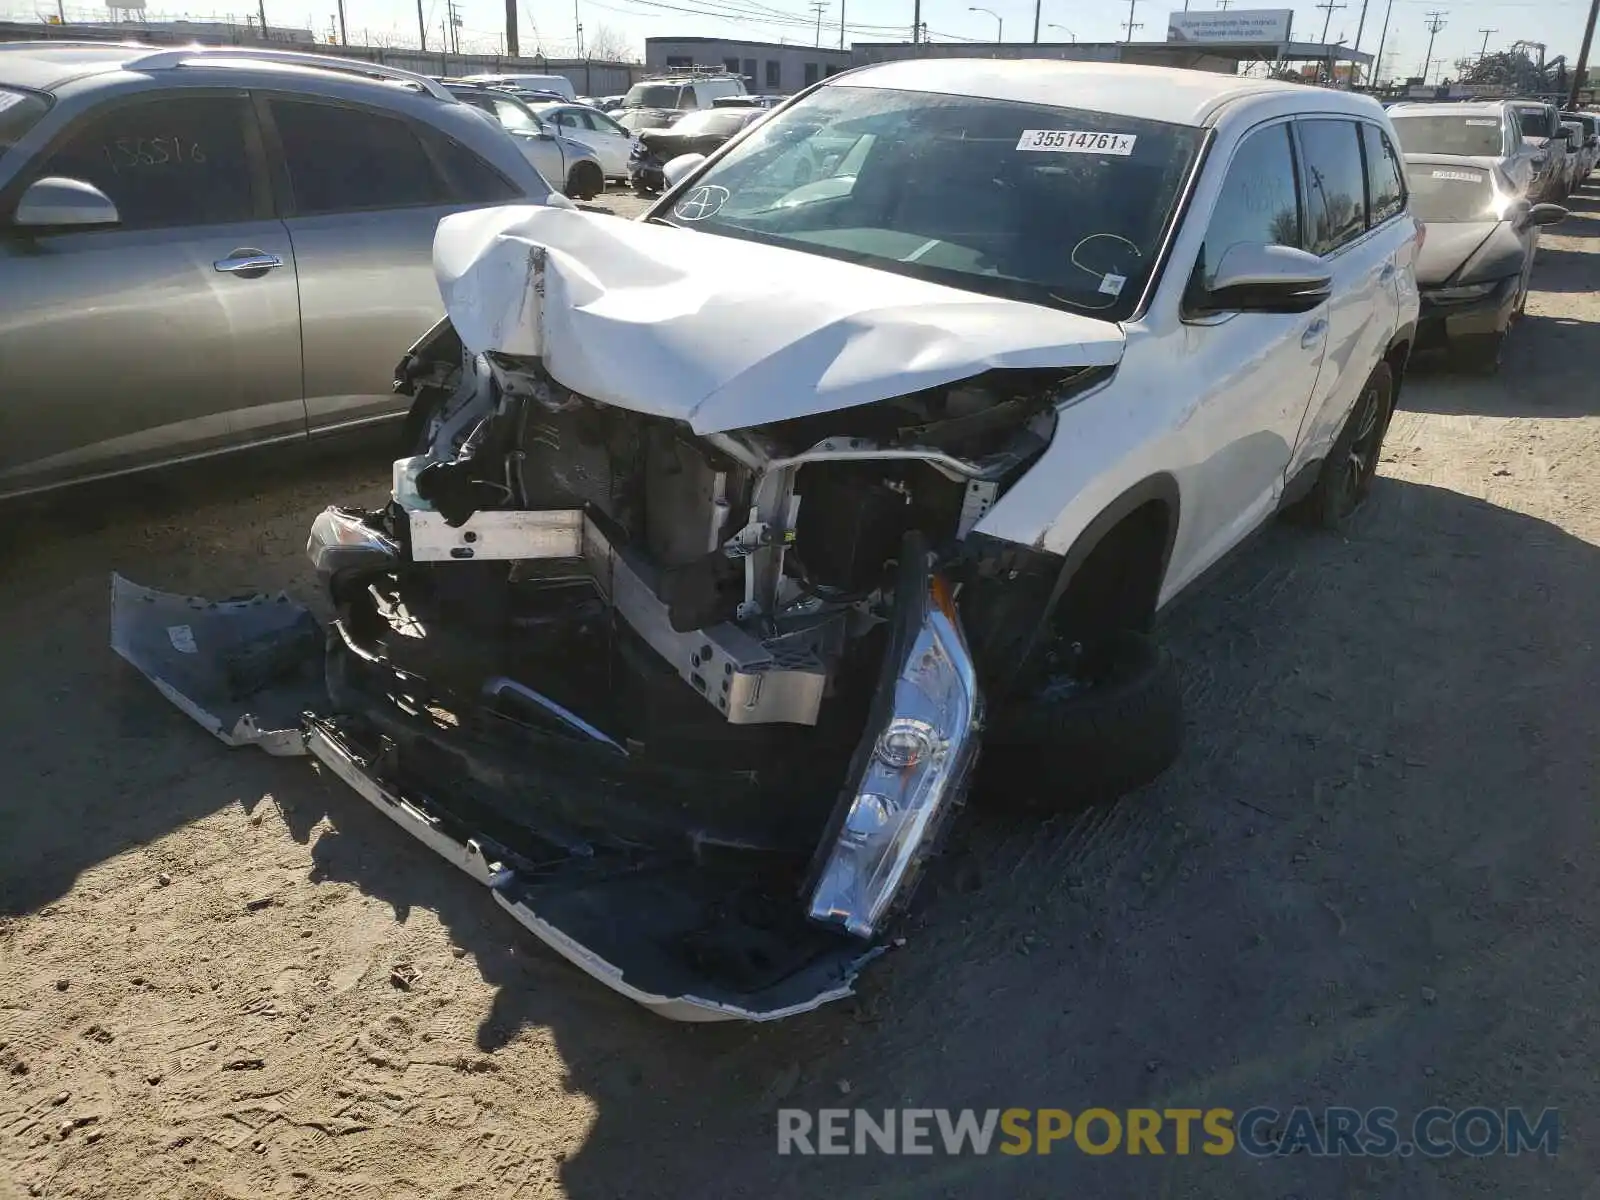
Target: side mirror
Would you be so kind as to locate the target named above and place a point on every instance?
(57, 202)
(1545, 214)
(1253, 277)
(681, 168)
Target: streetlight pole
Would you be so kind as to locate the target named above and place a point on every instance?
(1037, 4)
(1064, 30)
(999, 22)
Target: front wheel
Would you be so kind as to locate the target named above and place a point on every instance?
(1480, 354)
(1107, 720)
(1347, 473)
(585, 182)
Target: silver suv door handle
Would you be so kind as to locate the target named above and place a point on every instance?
(247, 260)
(1313, 333)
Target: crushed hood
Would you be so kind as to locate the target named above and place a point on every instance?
(724, 333)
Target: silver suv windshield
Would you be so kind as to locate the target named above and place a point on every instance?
(1455, 133)
(1056, 206)
(19, 112)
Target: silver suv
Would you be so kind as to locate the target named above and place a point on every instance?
(206, 249)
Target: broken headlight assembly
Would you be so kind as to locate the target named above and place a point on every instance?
(911, 767)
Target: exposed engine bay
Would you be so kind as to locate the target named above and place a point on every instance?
(696, 706)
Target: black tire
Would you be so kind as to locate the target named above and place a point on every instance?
(1347, 473)
(585, 182)
(1110, 726)
(1479, 355)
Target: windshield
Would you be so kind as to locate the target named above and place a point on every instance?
(1450, 135)
(19, 112)
(1443, 195)
(652, 95)
(1056, 206)
(639, 119)
(710, 123)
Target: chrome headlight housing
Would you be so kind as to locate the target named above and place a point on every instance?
(1460, 293)
(911, 768)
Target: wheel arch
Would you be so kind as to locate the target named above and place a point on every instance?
(1115, 567)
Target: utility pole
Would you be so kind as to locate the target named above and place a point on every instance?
(343, 41)
(1361, 26)
(511, 28)
(1582, 69)
(577, 25)
(821, 7)
(1377, 63)
(841, 24)
(422, 27)
(1435, 23)
(1037, 4)
(1222, 5)
(1132, 4)
(916, 21)
(1329, 7)
(262, 8)
(1483, 53)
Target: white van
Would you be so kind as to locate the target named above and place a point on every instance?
(536, 83)
(682, 93)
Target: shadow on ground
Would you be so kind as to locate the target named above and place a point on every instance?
(1365, 883)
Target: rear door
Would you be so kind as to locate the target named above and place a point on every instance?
(171, 334)
(1363, 313)
(363, 190)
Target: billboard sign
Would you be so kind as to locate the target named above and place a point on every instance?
(1230, 25)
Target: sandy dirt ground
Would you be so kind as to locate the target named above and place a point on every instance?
(1370, 880)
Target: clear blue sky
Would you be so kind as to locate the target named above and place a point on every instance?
(548, 24)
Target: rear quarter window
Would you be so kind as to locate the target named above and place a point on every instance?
(19, 112)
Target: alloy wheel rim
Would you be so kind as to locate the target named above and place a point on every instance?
(1361, 462)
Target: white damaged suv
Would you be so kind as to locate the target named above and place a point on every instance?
(724, 539)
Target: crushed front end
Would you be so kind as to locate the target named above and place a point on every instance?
(696, 706)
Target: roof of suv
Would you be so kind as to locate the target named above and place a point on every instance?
(48, 66)
(1152, 93)
(1450, 108)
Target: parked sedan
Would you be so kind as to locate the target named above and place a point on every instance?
(696, 133)
(1478, 254)
(612, 144)
(571, 166)
(203, 249)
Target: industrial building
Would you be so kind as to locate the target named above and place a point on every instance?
(768, 68)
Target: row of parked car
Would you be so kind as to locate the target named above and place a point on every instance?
(1486, 176)
(653, 122)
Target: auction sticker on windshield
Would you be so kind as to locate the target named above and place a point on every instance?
(1069, 141)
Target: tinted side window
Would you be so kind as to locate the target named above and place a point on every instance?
(1336, 190)
(1386, 192)
(169, 162)
(345, 160)
(1259, 201)
(472, 180)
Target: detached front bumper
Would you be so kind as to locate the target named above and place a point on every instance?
(625, 869)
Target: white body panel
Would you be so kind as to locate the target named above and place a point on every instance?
(673, 322)
(727, 334)
(611, 143)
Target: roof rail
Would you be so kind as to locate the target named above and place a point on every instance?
(163, 60)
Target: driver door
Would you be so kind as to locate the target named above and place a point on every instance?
(1252, 375)
(173, 333)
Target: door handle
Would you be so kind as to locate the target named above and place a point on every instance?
(1313, 333)
(246, 260)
